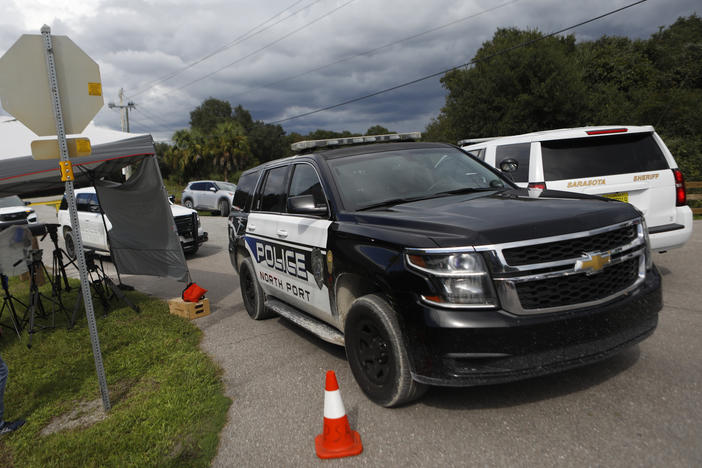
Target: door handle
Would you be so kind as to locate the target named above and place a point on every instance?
(250, 227)
(282, 233)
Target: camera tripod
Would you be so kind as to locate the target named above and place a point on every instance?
(102, 287)
(36, 308)
(10, 304)
(58, 268)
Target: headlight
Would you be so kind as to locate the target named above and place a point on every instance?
(649, 256)
(461, 278)
(197, 216)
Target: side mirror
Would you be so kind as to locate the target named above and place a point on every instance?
(212, 189)
(509, 165)
(26, 203)
(171, 198)
(304, 204)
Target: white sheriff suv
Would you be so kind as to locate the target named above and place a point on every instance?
(626, 163)
(93, 231)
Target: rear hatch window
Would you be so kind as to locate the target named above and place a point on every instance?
(600, 156)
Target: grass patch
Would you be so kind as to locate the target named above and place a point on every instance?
(174, 187)
(168, 405)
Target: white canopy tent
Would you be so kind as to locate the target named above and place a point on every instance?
(143, 230)
(21, 175)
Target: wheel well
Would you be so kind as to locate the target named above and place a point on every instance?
(241, 254)
(350, 287)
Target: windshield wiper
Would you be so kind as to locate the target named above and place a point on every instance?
(394, 201)
(467, 190)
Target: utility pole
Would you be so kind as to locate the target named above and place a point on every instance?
(124, 120)
(124, 110)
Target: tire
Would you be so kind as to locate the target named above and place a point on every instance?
(224, 207)
(191, 250)
(188, 203)
(377, 355)
(251, 292)
(69, 242)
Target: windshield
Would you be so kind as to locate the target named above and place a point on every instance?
(12, 200)
(226, 186)
(370, 180)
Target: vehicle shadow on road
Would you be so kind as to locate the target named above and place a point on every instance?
(534, 389)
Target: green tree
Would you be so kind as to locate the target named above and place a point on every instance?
(229, 148)
(378, 130)
(536, 87)
(211, 112)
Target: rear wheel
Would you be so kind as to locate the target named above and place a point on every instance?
(224, 207)
(377, 355)
(251, 292)
(188, 203)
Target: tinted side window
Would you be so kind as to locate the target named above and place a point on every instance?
(244, 190)
(272, 195)
(478, 153)
(83, 201)
(198, 186)
(305, 182)
(518, 152)
(94, 204)
(597, 156)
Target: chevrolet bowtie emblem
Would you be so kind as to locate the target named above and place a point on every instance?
(592, 263)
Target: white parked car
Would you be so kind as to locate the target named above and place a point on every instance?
(626, 163)
(209, 195)
(93, 231)
(14, 211)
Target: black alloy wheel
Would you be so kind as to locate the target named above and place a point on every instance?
(377, 354)
(251, 292)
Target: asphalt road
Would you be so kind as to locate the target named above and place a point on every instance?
(642, 407)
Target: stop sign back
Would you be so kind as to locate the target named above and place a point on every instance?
(24, 86)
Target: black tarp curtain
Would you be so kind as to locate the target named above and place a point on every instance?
(143, 239)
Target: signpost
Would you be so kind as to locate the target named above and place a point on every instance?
(71, 99)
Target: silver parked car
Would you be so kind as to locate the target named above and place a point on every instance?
(209, 195)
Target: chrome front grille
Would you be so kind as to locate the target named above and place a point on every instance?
(14, 216)
(570, 248)
(577, 289)
(185, 225)
(547, 275)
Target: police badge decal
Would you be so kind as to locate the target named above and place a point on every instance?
(318, 267)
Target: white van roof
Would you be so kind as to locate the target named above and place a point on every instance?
(559, 134)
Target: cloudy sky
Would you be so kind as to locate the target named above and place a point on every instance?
(283, 58)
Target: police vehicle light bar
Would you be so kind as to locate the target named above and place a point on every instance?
(357, 140)
(470, 141)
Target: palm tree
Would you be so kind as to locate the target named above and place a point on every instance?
(229, 147)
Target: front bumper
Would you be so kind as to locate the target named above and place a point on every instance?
(467, 348)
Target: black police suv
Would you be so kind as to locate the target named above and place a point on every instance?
(432, 268)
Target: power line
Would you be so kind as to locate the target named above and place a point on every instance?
(472, 62)
(372, 51)
(247, 35)
(305, 26)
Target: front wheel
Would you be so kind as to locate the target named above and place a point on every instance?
(377, 355)
(251, 292)
(70, 243)
(224, 207)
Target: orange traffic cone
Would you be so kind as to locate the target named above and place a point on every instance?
(337, 440)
